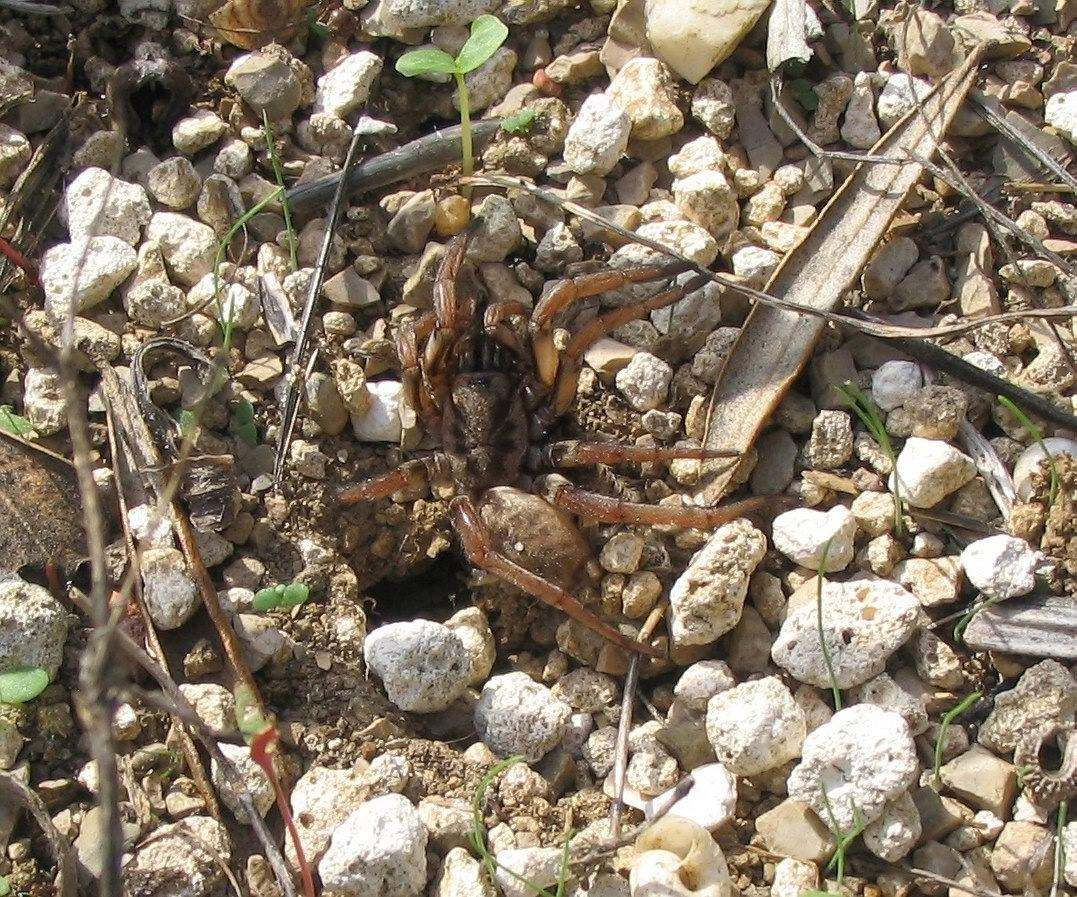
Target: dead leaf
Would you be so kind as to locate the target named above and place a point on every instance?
(251, 24)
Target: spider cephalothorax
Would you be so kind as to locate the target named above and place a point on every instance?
(490, 386)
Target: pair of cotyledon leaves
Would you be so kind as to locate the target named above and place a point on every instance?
(487, 34)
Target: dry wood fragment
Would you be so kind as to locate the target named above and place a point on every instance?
(1041, 626)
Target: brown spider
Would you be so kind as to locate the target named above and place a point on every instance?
(491, 386)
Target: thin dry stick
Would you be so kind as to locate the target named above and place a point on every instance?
(13, 792)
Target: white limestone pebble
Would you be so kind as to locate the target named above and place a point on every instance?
(253, 777)
(864, 757)
(1061, 113)
(899, 95)
(423, 665)
(896, 831)
(643, 88)
(171, 595)
(190, 855)
(541, 866)
(1069, 843)
(1033, 458)
(644, 381)
(1001, 566)
(321, 800)
(707, 599)
(215, 706)
(100, 205)
(710, 801)
(864, 622)
(473, 629)
(202, 128)
(708, 199)
(188, 246)
(378, 851)
(894, 382)
(43, 401)
(597, 137)
(928, 470)
(516, 715)
(702, 681)
(347, 85)
(755, 726)
(792, 878)
(380, 421)
(77, 276)
(33, 627)
(803, 534)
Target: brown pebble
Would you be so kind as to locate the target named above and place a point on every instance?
(451, 215)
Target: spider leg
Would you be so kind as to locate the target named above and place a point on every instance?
(573, 453)
(494, 324)
(381, 486)
(476, 544)
(603, 509)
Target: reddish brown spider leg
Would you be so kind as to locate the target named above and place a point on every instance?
(494, 324)
(381, 486)
(572, 453)
(476, 545)
(446, 306)
(603, 509)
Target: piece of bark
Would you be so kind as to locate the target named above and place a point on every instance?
(1041, 626)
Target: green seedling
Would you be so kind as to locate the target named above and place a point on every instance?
(5, 886)
(488, 33)
(242, 424)
(865, 409)
(820, 581)
(13, 423)
(944, 727)
(970, 615)
(520, 122)
(278, 173)
(843, 839)
(1037, 437)
(22, 685)
(1060, 848)
(291, 595)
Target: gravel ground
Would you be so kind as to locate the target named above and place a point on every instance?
(812, 654)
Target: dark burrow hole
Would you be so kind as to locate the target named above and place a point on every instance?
(1050, 755)
(434, 593)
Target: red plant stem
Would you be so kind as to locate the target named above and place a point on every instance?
(17, 258)
(261, 745)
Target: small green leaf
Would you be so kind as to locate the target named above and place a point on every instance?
(295, 594)
(427, 61)
(187, 422)
(22, 685)
(242, 423)
(804, 94)
(244, 412)
(13, 423)
(249, 718)
(266, 599)
(520, 122)
(487, 34)
(5, 886)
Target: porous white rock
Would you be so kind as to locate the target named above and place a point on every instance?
(202, 128)
(516, 715)
(33, 627)
(188, 246)
(860, 128)
(254, 779)
(894, 382)
(754, 264)
(473, 629)
(100, 205)
(643, 89)
(896, 831)
(864, 757)
(540, 866)
(803, 534)
(709, 200)
(461, 875)
(755, 726)
(899, 95)
(424, 13)
(1001, 566)
(713, 107)
(1060, 112)
(238, 305)
(77, 276)
(170, 593)
(687, 238)
(378, 851)
(1034, 457)
(43, 401)
(884, 692)
(214, 705)
(710, 801)
(864, 622)
(644, 381)
(702, 154)
(1069, 843)
(597, 137)
(347, 85)
(380, 421)
(702, 681)
(174, 182)
(792, 878)
(321, 800)
(928, 470)
(707, 599)
(587, 690)
(423, 665)
(182, 859)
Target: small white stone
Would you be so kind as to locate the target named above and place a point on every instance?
(692, 38)
(189, 855)
(899, 95)
(43, 401)
(755, 264)
(188, 246)
(622, 553)
(710, 800)
(1069, 842)
(214, 705)
(642, 87)
(707, 599)
(702, 154)
(1032, 459)
(883, 691)
(894, 382)
(864, 622)
(473, 629)
(489, 82)
(516, 715)
(929, 470)
(321, 800)
(99, 205)
(1061, 113)
(253, 777)
(461, 875)
(792, 878)
(347, 85)
(709, 200)
(863, 758)
(174, 182)
(34, 627)
(77, 276)
(687, 238)
(381, 420)
(540, 866)
(424, 666)
(200, 129)
(755, 726)
(238, 305)
(261, 640)
(644, 382)
(1001, 566)
(378, 851)
(713, 107)
(170, 593)
(587, 690)
(597, 137)
(803, 533)
(896, 831)
(702, 681)
(860, 128)
(15, 152)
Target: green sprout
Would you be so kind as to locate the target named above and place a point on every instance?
(23, 684)
(1037, 437)
(519, 122)
(5, 886)
(488, 33)
(844, 840)
(944, 727)
(869, 415)
(13, 423)
(820, 581)
(970, 615)
(278, 173)
(242, 423)
(1060, 848)
(280, 595)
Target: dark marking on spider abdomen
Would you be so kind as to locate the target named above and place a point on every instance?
(484, 430)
